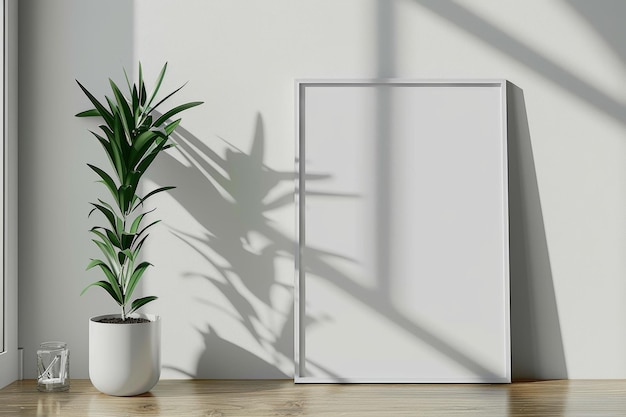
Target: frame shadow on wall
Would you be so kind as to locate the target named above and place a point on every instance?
(536, 341)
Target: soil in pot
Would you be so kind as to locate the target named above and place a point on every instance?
(118, 320)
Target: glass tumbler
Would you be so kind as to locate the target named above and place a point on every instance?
(53, 367)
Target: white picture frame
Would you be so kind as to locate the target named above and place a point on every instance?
(402, 271)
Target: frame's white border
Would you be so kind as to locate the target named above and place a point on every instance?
(299, 304)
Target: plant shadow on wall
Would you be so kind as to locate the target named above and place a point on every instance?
(231, 197)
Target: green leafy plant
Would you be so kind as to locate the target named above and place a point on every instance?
(133, 134)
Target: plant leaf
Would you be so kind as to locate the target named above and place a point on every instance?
(127, 118)
(88, 113)
(107, 205)
(144, 139)
(113, 106)
(153, 192)
(130, 254)
(135, 104)
(172, 126)
(112, 283)
(135, 278)
(142, 88)
(143, 95)
(139, 245)
(113, 238)
(107, 286)
(140, 302)
(119, 226)
(166, 97)
(145, 163)
(105, 245)
(157, 86)
(116, 144)
(111, 217)
(127, 240)
(147, 227)
(106, 180)
(126, 253)
(136, 222)
(176, 110)
(140, 146)
(103, 112)
(108, 148)
(93, 264)
(126, 198)
(112, 262)
(135, 226)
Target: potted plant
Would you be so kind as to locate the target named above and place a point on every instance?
(124, 348)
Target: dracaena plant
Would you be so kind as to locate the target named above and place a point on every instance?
(133, 134)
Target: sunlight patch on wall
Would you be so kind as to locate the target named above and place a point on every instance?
(570, 42)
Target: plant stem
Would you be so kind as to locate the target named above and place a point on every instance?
(124, 270)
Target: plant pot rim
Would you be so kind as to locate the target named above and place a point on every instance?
(152, 317)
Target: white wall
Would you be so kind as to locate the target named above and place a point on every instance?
(224, 253)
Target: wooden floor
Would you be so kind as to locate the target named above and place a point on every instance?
(205, 398)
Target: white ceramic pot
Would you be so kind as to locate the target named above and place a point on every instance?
(125, 359)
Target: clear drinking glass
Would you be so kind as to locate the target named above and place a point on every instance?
(53, 367)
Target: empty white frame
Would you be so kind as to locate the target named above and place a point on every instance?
(402, 270)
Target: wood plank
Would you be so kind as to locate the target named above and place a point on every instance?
(246, 398)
